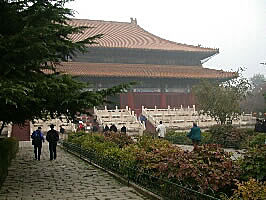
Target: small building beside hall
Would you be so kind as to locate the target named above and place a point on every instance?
(164, 70)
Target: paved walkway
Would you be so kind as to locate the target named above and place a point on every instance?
(63, 179)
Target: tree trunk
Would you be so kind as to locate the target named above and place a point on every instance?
(2, 127)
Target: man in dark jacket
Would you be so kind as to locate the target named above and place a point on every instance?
(37, 140)
(195, 135)
(113, 128)
(52, 137)
(123, 129)
(106, 129)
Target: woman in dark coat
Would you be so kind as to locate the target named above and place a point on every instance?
(195, 135)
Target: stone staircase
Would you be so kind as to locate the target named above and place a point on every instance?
(120, 117)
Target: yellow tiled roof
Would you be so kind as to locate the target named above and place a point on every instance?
(141, 70)
(128, 35)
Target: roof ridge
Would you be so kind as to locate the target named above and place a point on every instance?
(188, 45)
(104, 21)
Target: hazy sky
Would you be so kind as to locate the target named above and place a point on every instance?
(236, 27)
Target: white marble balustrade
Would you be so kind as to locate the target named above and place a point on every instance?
(120, 117)
(182, 118)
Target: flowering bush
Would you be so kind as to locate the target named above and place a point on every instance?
(209, 169)
(120, 139)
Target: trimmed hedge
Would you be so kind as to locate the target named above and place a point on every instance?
(253, 163)
(8, 150)
(251, 189)
(210, 170)
(225, 135)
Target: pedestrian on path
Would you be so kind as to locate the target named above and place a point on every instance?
(195, 135)
(62, 130)
(106, 129)
(161, 129)
(113, 128)
(52, 137)
(123, 129)
(37, 140)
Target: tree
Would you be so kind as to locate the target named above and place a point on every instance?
(34, 38)
(257, 80)
(221, 100)
(255, 102)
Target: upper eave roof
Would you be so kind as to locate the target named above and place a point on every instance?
(129, 35)
(141, 71)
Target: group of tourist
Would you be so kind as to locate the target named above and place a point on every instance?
(113, 129)
(53, 137)
(38, 138)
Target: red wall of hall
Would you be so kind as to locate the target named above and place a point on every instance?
(135, 100)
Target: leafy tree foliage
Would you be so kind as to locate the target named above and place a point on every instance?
(34, 38)
(257, 79)
(221, 100)
(255, 102)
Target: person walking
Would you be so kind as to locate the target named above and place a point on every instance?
(37, 140)
(113, 128)
(52, 137)
(95, 126)
(195, 135)
(62, 130)
(161, 129)
(106, 129)
(123, 129)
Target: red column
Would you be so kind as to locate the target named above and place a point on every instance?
(130, 100)
(163, 100)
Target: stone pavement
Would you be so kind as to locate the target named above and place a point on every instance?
(65, 178)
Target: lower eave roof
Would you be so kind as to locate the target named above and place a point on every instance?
(141, 71)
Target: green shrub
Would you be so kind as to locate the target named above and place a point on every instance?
(258, 139)
(150, 134)
(251, 189)
(209, 169)
(118, 138)
(228, 136)
(205, 137)
(148, 143)
(96, 142)
(177, 137)
(76, 137)
(254, 163)
(8, 150)
(181, 137)
(248, 131)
